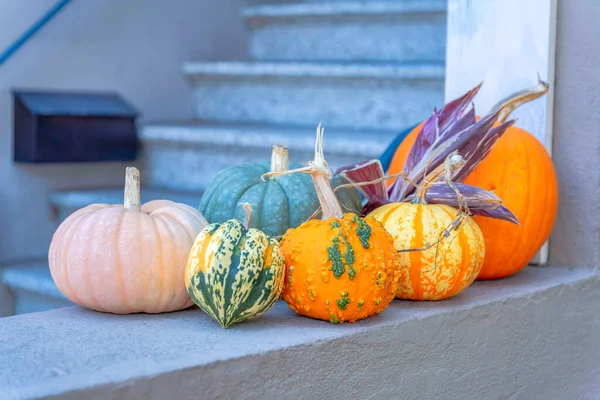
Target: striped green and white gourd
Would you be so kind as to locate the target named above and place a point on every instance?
(279, 203)
(234, 273)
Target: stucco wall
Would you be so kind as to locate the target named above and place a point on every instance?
(136, 47)
(576, 147)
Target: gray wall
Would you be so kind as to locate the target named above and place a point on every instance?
(576, 149)
(136, 47)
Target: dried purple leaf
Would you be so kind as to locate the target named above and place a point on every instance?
(363, 172)
(501, 213)
(425, 139)
(476, 198)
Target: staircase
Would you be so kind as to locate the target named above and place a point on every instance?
(366, 69)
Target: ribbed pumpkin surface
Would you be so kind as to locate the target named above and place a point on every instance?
(441, 271)
(234, 273)
(278, 204)
(339, 270)
(111, 259)
(519, 170)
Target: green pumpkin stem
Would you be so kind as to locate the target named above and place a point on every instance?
(321, 176)
(132, 189)
(279, 158)
(507, 105)
(247, 207)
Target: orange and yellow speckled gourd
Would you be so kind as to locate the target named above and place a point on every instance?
(341, 268)
(446, 246)
(440, 271)
(520, 171)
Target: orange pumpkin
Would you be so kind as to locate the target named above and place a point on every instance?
(519, 170)
(340, 268)
(125, 258)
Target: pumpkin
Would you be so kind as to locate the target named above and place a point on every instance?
(340, 268)
(280, 203)
(125, 258)
(442, 270)
(234, 273)
(519, 170)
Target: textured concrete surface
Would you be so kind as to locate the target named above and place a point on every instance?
(527, 337)
(340, 95)
(576, 150)
(204, 149)
(406, 30)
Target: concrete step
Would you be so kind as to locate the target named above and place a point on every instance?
(32, 288)
(357, 96)
(188, 156)
(261, 2)
(406, 30)
(65, 202)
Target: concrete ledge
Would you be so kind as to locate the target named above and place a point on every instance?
(532, 336)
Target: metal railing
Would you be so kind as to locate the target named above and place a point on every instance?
(29, 33)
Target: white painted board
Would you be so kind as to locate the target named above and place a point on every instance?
(505, 44)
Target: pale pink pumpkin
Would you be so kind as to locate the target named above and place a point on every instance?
(125, 258)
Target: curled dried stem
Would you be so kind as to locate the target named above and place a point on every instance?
(507, 105)
(444, 172)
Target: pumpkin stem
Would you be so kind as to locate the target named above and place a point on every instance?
(279, 158)
(321, 176)
(509, 104)
(132, 189)
(444, 172)
(247, 207)
(322, 179)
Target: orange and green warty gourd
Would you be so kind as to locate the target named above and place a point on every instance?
(340, 268)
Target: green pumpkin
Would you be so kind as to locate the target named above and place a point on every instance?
(279, 203)
(234, 273)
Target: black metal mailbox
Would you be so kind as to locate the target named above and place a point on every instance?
(62, 127)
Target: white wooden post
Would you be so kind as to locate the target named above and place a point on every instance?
(505, 44)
